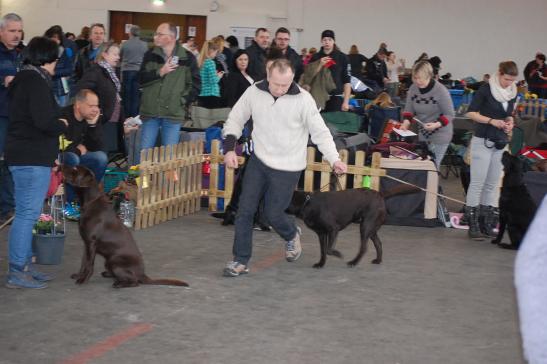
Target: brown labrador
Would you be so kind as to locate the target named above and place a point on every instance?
(104, 233)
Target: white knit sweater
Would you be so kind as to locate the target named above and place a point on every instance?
(281, 127)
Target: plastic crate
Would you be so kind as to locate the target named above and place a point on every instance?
(112, 178)
(457, 97)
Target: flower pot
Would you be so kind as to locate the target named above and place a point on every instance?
(48, 249)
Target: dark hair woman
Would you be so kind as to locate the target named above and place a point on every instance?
(238, 80)
(32, 146)
(491, 110)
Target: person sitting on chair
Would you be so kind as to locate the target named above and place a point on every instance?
(82, 144)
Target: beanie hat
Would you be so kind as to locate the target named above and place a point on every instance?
(327, 34)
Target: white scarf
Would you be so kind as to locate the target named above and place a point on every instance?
(502, 94)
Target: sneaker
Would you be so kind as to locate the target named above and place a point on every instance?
(234, 269)
(293, 248)
(37, 275)
(18, 279)
(72, 211)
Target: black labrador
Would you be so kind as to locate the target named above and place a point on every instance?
(327, 213)
(517, 208)
(105, 234)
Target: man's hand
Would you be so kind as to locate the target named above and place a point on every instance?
(230, 160)
(339, 167)
(93, 121)
(168, 67)
(345, 106)
(82, 149)
(7, 80)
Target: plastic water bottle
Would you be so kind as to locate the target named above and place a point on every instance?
(127, 213)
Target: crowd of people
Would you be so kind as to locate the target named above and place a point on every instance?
(92, 86)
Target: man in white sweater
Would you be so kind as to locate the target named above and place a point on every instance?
(284, 115)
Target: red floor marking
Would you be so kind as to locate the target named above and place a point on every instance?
(108, 344)
(267, 262)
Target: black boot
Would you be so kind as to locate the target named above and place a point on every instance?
(491, 220)
(472, 216)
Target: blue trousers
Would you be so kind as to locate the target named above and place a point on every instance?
(31, 185)
(7, 203)
(277, 188)
(96, 161)
(170, 133)
(130, 93)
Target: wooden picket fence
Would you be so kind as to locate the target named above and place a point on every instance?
(358, 170)
(170, 183)
(534, 108)
(170, 179)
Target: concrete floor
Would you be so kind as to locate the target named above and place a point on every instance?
(436, 298)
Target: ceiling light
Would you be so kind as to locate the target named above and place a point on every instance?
(158, 2)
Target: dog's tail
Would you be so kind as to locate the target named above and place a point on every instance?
(400, 189)
(164, 282)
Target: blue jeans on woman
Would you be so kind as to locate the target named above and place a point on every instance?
(31, 185)
(277, 188)
(96, 161)
(170, 133)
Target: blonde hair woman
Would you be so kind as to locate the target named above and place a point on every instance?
(209, 96)
(429, 102)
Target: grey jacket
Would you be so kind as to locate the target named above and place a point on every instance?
(132, 52)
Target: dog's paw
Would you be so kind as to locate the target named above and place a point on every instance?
(335, 253)
(376, 261)
(318, 265)
(74, 276)
(495, 241)
(351, 264)
(107, 274)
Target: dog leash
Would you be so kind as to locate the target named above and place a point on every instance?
(8, 221)
(425, 190)
(404, 182)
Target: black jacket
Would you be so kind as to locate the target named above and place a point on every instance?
(80, 132)
(83, 63)
(34, 127)
(257, 62)
(356, 61)
(484, 103)
(235, 86)
(376, 70)
(341, 71)
(98, 80)
(296, 62)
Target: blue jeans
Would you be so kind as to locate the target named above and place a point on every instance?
(96, 161)
(277, 188)
(31, 185)
(130, 93)
(170, 133)
(62, 100)
(6, 182)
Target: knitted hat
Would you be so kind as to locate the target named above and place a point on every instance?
(327, 33)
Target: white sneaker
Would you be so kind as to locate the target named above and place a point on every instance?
(293, 248)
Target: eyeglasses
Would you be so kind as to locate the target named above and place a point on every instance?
(157, 34)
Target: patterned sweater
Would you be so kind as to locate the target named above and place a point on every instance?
(209, 79)
(429, 105)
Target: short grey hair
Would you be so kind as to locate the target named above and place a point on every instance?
(10, 17)
(135, 30)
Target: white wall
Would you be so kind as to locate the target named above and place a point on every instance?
(470, 36)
